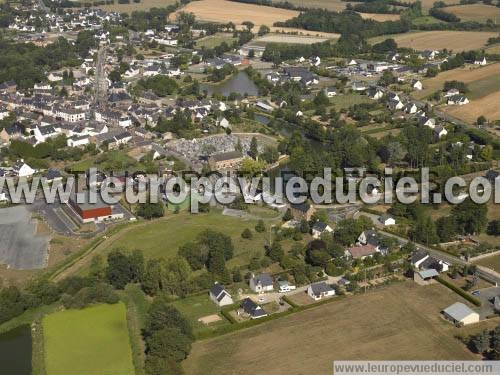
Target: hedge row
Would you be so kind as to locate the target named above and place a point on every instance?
(236, 326)
(459, 291)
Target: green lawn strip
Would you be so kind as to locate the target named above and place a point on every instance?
(137, 305)
(93, 340)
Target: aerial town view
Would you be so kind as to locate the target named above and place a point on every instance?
(249, 187)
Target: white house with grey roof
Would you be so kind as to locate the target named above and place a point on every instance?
(319, 228)
(320, 290)
(219, 296)
(261, 283)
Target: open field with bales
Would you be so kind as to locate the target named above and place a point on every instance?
(480, 81)
(224, 11)
(475, 12)
(403, 322)
(457, 41)
(379, 17)
(89, 341)
(131, 7)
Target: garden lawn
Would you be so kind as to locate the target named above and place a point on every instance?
(90, 341)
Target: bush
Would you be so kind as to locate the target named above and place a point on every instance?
(459, 291)
(260, 227)
(247, 234)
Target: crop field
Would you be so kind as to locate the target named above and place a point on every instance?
(456, 41)
(492, 262)
(493, 49)
(143, 5)
(481, 81)
(403, 322)
(90, 341)
(475, 12)
(487, 106)
(224, 11)
(290, 39)
(379, 17)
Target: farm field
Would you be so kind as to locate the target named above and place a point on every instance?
(224, 11)
(492, 262)
(493, 49)
(380, 17)
(457, 41)
(143, 5)
(475, 12)
(487, 106)
(89, 341)
(290, 39)
(408, 325)
(480, 81)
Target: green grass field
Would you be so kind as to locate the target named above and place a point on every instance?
(89, 341)
(347, 100)
(196, 307)
(162, 238)
(212, 41)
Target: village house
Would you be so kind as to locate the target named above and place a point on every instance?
(318, 291)
(251, 309)
(220, 296)
(21, 169)
(261, 283)
(387, 220)
(360, 251)
(457, 100)
(302, 211)
(423, 261)
(319, 228)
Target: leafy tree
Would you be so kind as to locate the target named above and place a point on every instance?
(446, 228)
(263, 29)
(254, 149)
(275, 252)
(150, 210)
(494, 228)
(288, 215)
(425, 231)
(123, 268)
(471, 217)
(169, 343)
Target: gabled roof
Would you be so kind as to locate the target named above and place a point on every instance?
(362, 251)
(252, 309)
(458, 311)
(263, 279)
(319, 288)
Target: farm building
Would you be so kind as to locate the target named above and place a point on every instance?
(460, 314)
(91, 212)
(425, 277)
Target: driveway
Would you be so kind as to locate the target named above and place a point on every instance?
(486, 296)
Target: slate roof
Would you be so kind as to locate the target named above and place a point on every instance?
(319, 288)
